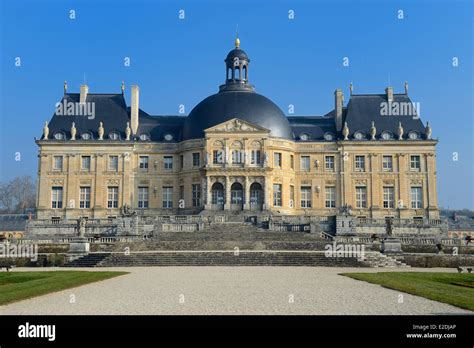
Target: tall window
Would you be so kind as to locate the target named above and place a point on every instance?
(181, 192)
(196, 159)
(415, 163)
(112, 197)
(237, 157)
(330, 197)
(143, 197)
(292, 196)
(58, 162)
(292, 162)
(329, 163)
(361, 197)
(57, 197)
(196, 188)
(277, 195)
(277, 159)
(360, 163)
(168, 161)
(85, 197)
(387, 163)
(113, 163)
(217, 157)
(304, 163)
(255, 157)
(388, 197)
(416, 198)
(143, 163)
(305, 197)
(181, 162)
(86, 162)
(167, 197)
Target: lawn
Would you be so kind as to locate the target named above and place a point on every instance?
(456, 289)
(16, 286)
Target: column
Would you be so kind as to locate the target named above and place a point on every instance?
(208, 197)
(227, 193)
(265, 194)
(247, 194)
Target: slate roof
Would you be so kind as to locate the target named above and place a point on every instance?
(111, 109)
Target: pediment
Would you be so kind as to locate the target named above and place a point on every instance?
(236, 125)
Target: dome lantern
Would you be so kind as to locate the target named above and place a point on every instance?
(237, 63)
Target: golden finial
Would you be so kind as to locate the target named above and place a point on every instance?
(237, 41)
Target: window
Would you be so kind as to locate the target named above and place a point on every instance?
(328, 136)
(59, 136)
(86, 136)
(360, 163)
(181, 193)
(237, 157)
(329, 163)
(305, 197)
(330, 197)
(181, 162)
(416, 198)
(277, 195)
(387, 135)
(359, 135)
(86, 163)
(387, 163)
(413, 135)
(304, 163)
(113, 163)
(292, 196)
(143, 197)
(168, 161)
(112, 197)
(168, 137)
(292, 162)
(143, 163)
(196, 159)
(361, 197)
(144, 137)
(304, 136)
(415, 163)
(196, 189)
(84, 197)
(57, 197)
(388, 197)
(114, 136)
(217, 157)
(277, 159)
(255, 157)
(58, 162)
(167, 197)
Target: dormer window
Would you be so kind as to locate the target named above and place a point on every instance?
(114, 136)
(328, 136)
(86, 136)
(359, 135)
(168, 137)
(413, 135)
(304, 136)
(59, 136)
(387, 135)
(144, 137)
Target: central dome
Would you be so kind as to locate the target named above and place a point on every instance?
(226, 105)
(236, 99)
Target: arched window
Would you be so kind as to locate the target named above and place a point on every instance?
(236, 193)
(217, 193)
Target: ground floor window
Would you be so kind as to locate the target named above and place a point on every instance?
(361, 197)
(256, 193)
(112, 197)
(330, 197)
(196, 189)
(416, 198)
(57, 197)
(277, 195)
(217, 193)
(236, 193)
(143, 197)
(388, 197)
(167, 197)
(305, 197)
(84, 197)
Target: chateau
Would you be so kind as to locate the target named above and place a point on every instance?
(236, 151)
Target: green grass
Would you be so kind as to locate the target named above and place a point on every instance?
(17, 286)
(453, 288)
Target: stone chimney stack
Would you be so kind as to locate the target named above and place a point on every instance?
(84, 92)
(134, 109)
(389, 92)
(339, 102)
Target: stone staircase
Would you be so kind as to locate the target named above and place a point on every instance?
(376, 259)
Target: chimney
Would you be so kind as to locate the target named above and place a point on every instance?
(389, 91)
(134, 110)
(84, 91)
(339, 102)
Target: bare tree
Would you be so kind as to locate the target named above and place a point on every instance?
(18, 194)
(6, 199)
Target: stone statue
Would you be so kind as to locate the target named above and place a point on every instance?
(127, 210)
(389, 228)
(345, 131)
(265, 159)
(400, 131)
(45, 131)
(373, 131)
(428, 131)
(101, 131)
(81, 227)
(346, 209)
(128, 131)
(73, 131)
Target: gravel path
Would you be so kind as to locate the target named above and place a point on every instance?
(232, 290)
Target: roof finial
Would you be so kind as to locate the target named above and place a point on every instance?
(406, 87)
(351, 88)
(65, 87)
(237, 40)
(123, 87)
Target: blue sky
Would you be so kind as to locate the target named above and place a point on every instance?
(293, 61)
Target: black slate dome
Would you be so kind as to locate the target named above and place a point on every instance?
(236, 99)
